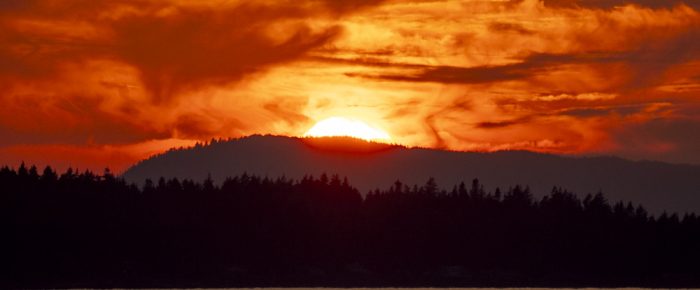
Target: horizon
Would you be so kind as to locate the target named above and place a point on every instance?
(121, 168)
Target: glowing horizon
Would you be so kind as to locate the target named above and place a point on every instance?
(347, 127)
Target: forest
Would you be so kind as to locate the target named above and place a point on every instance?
(82, 229)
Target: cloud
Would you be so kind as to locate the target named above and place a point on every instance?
(76, 107)
(500, 27)
(173, 46)
(450, 74)
(501, 124)
(457, 105)
(195, 48)
(603, 111)
(593, 96)
(109, 72)
(553, 76)
(608, 4)
(345, 6)
(531, 65)
(645, 65)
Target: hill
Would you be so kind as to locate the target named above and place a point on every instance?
(659, 186)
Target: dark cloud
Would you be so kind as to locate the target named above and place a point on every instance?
(502, 124)
(509, 27)
(577, 111)
(175, 47)
(164, 49)
(624, 110)
(533, 64)
(451, 74)
(203, 47)
(345, 6)
(186, 47)
(645, 64)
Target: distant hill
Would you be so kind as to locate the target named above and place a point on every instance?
(658, 186)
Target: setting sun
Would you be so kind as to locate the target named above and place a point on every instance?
(339, 126)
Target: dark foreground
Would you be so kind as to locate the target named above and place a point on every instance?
(83, 230)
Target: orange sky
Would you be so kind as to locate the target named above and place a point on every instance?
(97, 84)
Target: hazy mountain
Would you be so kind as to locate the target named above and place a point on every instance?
(658, 186)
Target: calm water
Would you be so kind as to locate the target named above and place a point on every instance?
(428, 288)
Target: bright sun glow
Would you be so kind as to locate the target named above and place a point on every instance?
(339, 126)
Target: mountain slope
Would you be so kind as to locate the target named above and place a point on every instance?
(658, 186)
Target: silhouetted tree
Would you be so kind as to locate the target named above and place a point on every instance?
(82, 230)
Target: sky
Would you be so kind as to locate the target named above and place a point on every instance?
(95, 84)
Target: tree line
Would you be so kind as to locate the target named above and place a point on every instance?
(81, 229)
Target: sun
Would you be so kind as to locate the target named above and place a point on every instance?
(340, 126)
